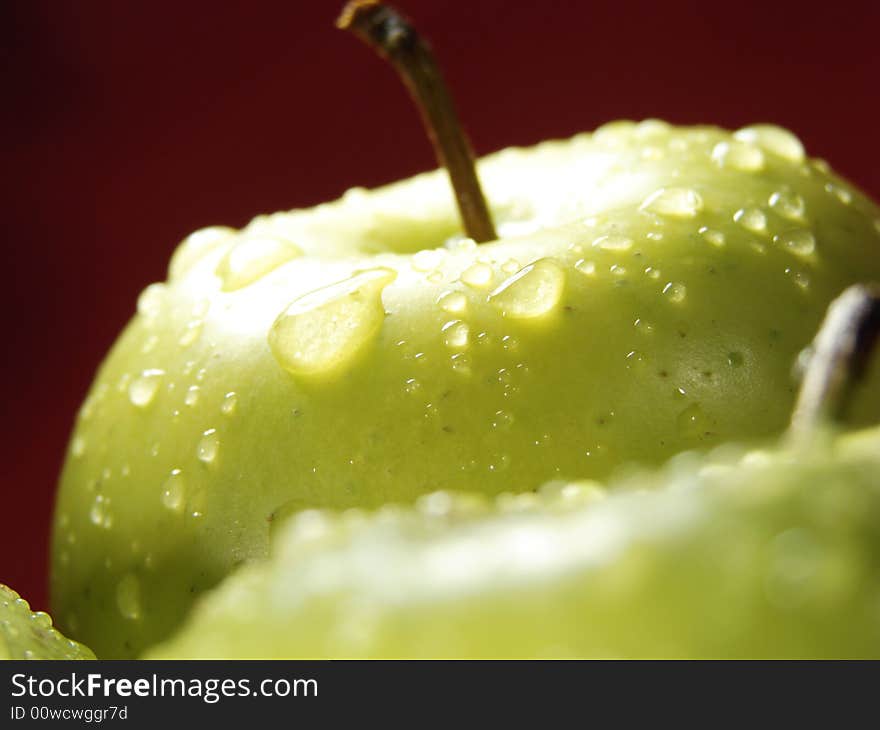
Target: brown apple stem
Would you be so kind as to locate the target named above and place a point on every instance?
(393, 38)
(839, 357)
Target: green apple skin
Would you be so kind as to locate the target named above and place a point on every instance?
(26, 634)
(649, 293)
(773, 554)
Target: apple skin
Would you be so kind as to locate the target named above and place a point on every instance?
(681, 270)
(26, 634)
(771, 554)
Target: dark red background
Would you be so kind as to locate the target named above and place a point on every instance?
(128, 124)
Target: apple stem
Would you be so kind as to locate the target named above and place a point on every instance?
(838, 358)
(393, 38)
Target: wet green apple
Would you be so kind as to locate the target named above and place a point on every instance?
(772, 553)
(648, 293)
(26, 634)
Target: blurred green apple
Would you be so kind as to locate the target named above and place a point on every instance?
(765, 554)
(649, 290)
(26, 634)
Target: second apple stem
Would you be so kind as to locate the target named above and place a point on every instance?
(840, 353)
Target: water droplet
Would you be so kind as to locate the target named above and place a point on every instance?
(511, 266)
(208, 446)
(149, 303)
(192, 395)
(716, 238)
(428, 259)
(98, 511)
(477, 275)
(191, 332)
(149, 344)
(533, 291)
(461, 364)
(789, 205)
(801, 279)
(174, 491)
(502, 420)
(454, 302)
(143, 389)
(839, 192)
(675, 292)
(613, 243)
(197, 245)
(634, 359)
(652, 273)
(735, 359)
(752, 219)
(642, 326)
(617, 270)
(654, 236)
(799, 241)
(456, 334)
(78, 446)
(795, 560)
(412, 386)
(738, 155)
(128, 597)
(230, 402)
(588, 268)
(509, 343)
(674, 202)
(773, 139)
(691, 421)
(325, 329)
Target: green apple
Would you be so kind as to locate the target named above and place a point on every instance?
(649, 290)
(772, 553)
(26, 634)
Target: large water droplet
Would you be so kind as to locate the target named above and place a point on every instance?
(738, 155)
(325, 329)
(208, 446)
(252, 258)
(128, 597)
(674, 202)
(752, 219)
(456, 334)
(773, 139)
(533, 291)
(789, 205)
(143, 389)
(174, 491)
(799, 241)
